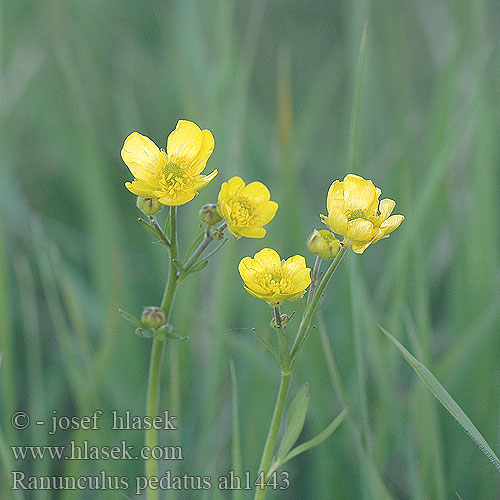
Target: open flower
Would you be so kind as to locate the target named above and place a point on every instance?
(269, 278)
(246, 208)
(172, 176)
(354, 212)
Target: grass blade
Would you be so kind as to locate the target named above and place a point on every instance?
(445, 399)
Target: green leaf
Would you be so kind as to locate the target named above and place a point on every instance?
(216, 249)
(272, 350)
(445, 399)
(198, 267)
(150, 229)
(144, 334)
(295, 419)
(315, 441)
(195, 244)
(131, 319)
(180, 270)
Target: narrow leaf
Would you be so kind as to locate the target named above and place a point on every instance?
(195, 245)
(216, 249)
(272, 350)
(445, 399)
(198, 267)
(131, 319)
(180, 269)
(295, 419)
(150, 229)
(315, 441)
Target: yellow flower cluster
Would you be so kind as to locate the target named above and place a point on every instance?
(172, 176)
(269, 278)
(354, 211)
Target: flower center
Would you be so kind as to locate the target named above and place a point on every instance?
(174, 178)
(276, 281)
(242, 211)
(356, 214)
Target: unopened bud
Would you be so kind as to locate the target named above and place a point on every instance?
(209, 214)
(324, 244)
(148, 206)
(153, 317)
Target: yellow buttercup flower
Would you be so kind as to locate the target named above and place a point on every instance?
(354, 212)
(172, 176)
(269, 278)
(246, 208)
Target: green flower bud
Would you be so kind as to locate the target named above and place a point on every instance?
(153, 317)
(209, 214)
(148, 206)
(324, 244)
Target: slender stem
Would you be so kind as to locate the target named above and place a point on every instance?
(284, 350)
(152, 406)
(314, 279)
(311, 308)
(199, 250)
(157, 351)
(160, 231)
(267, 454)
(203, 245)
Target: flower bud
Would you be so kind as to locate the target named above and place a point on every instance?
(324, 244)
(148, 206)
(153, 317)
(209, 214)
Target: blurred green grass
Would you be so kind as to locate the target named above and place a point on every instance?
(274, 82)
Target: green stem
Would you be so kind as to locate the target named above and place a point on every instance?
(284, 350)
(157, 351)
(314, 278)
(272, 435)
(204, 244)
(311, 308)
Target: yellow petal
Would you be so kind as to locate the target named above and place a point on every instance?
(391, 223)
(302, 279)
(386, 208)
(265, 213)
(224, 210)
(265, 297)
(359, 193)
(178, 198)
(203, 180)
(335, 196)
(360, 230)
(230, 188)
(206, 148)
(184, 143)
(141, 155)
(248, 231)
(141, 188)
(337, 221)
(295, 296)
(268, 257)
(294, 264)
(257, 191)
(360, 247)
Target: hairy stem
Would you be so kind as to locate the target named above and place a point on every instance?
(157, 351)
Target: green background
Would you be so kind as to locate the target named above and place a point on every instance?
(274, 82)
